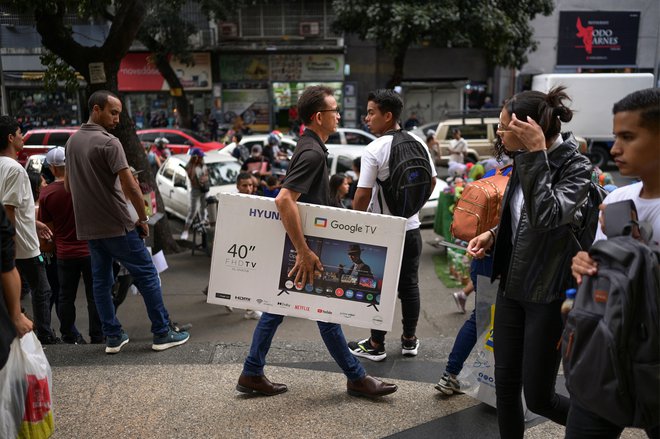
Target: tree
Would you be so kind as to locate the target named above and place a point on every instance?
(500, 27)
(126, 18)
(165, 32)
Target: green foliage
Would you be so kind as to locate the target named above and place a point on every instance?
(500, 27)
(165, 31)
(58, 72)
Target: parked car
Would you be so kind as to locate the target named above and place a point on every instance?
(180, 140)
(174, 184)
(340, 159)
(287, 142)
(350, 136)
(39, 141)
(420, 131)
(478, 128)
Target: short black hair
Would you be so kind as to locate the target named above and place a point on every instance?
(239, 137)
(388, 101)
(8, 125)
(100, 98)
(647, 102)
(312, 100)
(243, 176)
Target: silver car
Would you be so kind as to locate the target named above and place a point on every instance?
(174, 185)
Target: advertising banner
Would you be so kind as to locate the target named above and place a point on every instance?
(597, 38)
(360, 252)
(138, 73)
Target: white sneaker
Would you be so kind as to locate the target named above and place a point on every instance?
(254, 315)
(184, 235)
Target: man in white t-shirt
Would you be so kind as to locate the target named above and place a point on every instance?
(636, 152)
(458, 147)
(383, 111)
(16, 196)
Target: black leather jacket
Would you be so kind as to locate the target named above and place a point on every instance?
(536, 266)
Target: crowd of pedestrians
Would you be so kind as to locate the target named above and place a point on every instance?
(93, 211)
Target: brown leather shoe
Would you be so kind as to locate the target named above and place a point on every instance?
(369, 387)
(259, 385)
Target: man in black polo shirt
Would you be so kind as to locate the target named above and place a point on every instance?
(307, 181)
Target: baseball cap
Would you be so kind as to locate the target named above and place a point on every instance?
(56, 156)
(197, 152)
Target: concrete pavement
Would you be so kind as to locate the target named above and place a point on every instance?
(189, 392)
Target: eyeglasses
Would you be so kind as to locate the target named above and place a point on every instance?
(336, 110)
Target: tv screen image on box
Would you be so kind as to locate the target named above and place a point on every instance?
(351, 271)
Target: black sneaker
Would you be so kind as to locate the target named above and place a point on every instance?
(49, 339)
(409, 347)
(365, 350)
(77, 339)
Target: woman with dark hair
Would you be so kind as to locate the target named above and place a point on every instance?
(533, 246)
(338, 190)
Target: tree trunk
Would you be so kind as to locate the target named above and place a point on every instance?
(397, 75)
(182, 105)
(59, 40)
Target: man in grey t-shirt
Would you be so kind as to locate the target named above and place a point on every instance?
(98, 176)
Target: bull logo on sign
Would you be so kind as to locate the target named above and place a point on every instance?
(587, 35)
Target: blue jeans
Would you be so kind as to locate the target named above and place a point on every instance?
(131, 252)
(467, 335)
(332, 336)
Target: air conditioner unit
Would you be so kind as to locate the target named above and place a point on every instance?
(309, 28)
(228, 30)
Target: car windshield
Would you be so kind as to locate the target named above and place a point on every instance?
(221, 173)
(196, 136)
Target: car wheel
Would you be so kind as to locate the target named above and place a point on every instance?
(599, 156)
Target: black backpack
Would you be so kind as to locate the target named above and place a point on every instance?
(409, 185)
(611, 339)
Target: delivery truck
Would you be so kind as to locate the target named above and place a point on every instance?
(593, 95)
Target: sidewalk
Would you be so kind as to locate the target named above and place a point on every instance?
(189, 391)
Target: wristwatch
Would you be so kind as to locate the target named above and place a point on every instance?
(144, 221)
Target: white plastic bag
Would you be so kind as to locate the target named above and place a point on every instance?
(13, 388)
(38, 415)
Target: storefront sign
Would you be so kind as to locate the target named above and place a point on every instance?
(243, 67)
(318, 67)
(597, 38)
(360, 254)
(138, 73)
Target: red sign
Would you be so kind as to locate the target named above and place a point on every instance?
(137, 73)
